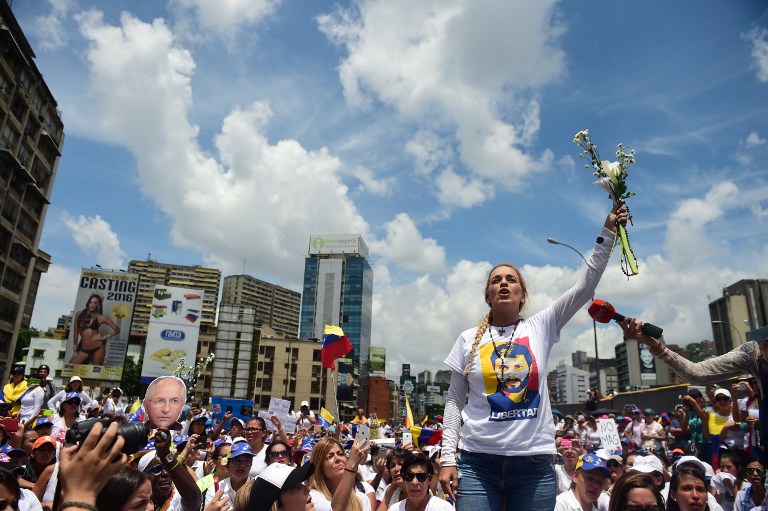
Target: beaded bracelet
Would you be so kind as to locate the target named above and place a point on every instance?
(79, 505)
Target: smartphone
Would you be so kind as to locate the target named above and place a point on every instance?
(566, 443)
(407, 438)
(11, 425)
(383, 451)
(201, 441)
(228, 410)
(743, 386)
(363, 432)
(47, 412)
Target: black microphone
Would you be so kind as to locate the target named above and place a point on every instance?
(603, 312)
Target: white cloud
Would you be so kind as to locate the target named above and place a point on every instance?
(429, 151)
(456, 190)
(60, 284)
(687, 242)
(49, 29)
(759, 39)
(258, 202)
(225, 17)
(429, 60)
(405, 246)
(370, 183)
(754, 139)
(95, 237)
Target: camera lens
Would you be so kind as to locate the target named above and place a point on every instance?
(135, 435)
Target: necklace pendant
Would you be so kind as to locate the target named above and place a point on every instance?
(501, 330)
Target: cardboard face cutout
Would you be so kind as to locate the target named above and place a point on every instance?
(164, 402)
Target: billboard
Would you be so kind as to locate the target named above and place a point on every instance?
(435, 389)
(174, 326)
(101, 324)
(377, 358)
(647, 362)
(346, 380)
(338, 244)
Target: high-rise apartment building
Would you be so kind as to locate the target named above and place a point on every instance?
(153, 273)
(743, 307)
(338, 290)
(233, 373)
(273, 305)
(31, 140)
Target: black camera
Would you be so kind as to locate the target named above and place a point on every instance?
(135, 434)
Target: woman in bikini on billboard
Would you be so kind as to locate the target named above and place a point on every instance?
(91, 346)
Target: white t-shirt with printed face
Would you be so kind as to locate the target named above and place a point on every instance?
(508, 411)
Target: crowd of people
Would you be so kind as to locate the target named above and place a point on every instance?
(502, 446)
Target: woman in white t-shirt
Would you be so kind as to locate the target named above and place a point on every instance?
(499, 369)
(418, 472)
(333, 482)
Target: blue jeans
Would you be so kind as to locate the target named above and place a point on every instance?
(523, 482)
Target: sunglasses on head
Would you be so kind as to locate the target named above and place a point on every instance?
(408, 476)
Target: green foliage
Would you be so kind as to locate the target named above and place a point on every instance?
(130, 384)
(22, 343)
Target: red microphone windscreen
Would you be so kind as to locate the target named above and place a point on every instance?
(601, 311)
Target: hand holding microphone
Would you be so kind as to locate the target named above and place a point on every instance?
(603, 312)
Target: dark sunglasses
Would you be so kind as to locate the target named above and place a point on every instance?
(722, 398)
(155, 470)
(408, 476)
(755, 470)
(612, 463)
(277, 454)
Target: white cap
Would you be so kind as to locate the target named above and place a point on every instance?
(75, 378)
(693, 460)
(305, 403)
(648, 464)
(723, 392)
(146, 459)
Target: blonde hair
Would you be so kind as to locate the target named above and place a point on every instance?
(318, 482)
(488, 318)
(243, 497)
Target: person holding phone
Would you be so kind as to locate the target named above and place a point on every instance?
(499, 388)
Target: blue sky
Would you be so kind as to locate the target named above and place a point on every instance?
(225, 133)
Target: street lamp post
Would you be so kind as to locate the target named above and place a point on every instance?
(553, 241)
(738, 334)
(288, 366)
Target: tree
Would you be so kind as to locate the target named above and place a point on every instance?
(22, 342)
(131, 382)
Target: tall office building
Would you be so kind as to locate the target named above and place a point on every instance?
(31, 139)
(338, 290)
(743, 307)
(153, 273)
(273, 305)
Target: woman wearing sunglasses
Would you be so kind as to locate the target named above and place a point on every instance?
(754, 494)
(417, 473)
(279, 452)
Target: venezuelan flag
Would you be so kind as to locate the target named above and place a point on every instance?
(425, 436)
(335, 345)
(135, 406)
(325, 419)
(408, 414)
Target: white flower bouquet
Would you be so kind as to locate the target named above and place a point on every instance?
(612, 177)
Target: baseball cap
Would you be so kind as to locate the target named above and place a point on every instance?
(42, 441)
(12, 451)
(305, 403)
(647, 464)
(692, 460)
(18, 369)
(44, 366)
(695, 393)
(605, 455)
(240, 449)
(649, 411)
(42, 422)
(72, 395)
(590, 462)
(75, 378)
(273, 480)
(723, 392)
(201, 415)
(180, 439)
(8, 464)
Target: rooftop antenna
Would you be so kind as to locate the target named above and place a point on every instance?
(149, 256)
(243, 266)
